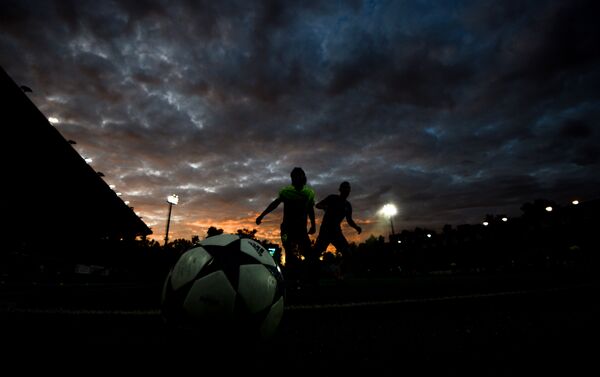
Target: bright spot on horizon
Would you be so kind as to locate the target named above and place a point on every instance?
(88, 160)
(549, 209)
(388, 210)
(575, 202)
(485, 223)
(505, 219)
(53, 120)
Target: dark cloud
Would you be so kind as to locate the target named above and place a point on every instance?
(451, 110)
(575, 129)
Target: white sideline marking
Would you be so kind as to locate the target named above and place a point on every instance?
(92, 312)
(418, 300)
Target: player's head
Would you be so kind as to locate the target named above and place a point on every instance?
(298, 177)
(345, 189)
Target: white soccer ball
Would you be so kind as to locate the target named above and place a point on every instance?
(225, 282)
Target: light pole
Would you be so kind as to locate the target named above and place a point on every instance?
(172, 200)
(389, 210)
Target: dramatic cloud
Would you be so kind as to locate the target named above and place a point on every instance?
(450, 110)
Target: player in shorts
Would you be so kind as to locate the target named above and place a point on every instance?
(298, 205)
(337, 208)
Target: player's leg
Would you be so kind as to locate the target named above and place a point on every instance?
(311, 261)
(339, 241)
(342, 247)
(291, 266)
(323, 240)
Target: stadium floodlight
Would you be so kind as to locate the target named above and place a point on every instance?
(172, 200)
(389, 210)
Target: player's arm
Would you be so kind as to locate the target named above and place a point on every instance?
(323, 204)
(274, 204)
(351, 222)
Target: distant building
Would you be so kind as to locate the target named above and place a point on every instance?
(50, 195)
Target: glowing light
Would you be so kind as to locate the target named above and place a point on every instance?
(127, 202)
(119, 193)
(173, 199)
(53, 120)
(505, 219)
(112, 186)
(485, 223)
(548, 209)
(428, 235)
(575, 202)
(388, 210)
(88, 160)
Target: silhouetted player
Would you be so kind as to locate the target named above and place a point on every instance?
(298, 204)
(337, 208)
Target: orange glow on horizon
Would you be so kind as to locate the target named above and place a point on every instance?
(268, 230)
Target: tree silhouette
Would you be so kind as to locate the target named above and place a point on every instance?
(246, 233)
(213, 231)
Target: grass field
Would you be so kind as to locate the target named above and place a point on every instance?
(491, 325)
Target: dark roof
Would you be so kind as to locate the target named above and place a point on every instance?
(48, 190)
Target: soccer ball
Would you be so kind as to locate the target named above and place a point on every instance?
(225, 284)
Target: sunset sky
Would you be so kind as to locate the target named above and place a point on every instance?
(451, 110)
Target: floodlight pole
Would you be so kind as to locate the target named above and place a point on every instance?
(392, 224)
(168, 222)
(172, 199)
